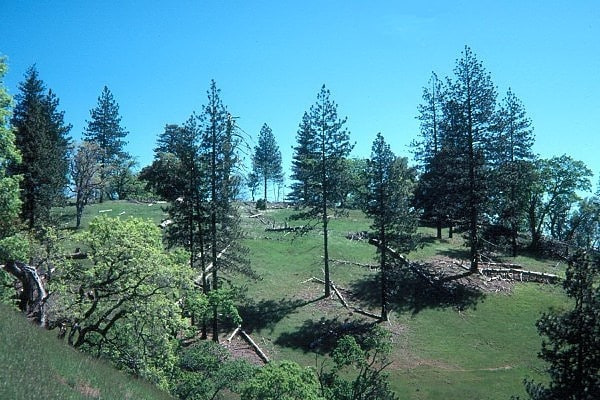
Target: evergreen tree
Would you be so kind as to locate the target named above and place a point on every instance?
(390, 184)
(217, 147)
(165, 175)
(572, 345)
(512, 158)
(468, 114)
(323, 146)
(429, 195)
(266, 161)
(104, 128)
(303, 162)
(42, 138)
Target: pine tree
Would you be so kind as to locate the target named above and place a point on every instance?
(218, 148)
(319, 163)
(572, 346)
(41, 136)
(390, 184)
(511, 158)
(266, 161)
(433, 190)
(303, 162)
(104, 128)
(468, 114)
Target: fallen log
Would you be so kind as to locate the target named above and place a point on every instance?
(234, 333)
(286, 229)
(521, 275)
(370, 266)
(411, 266)
(366, 313)
(258, 350)
(339, 295)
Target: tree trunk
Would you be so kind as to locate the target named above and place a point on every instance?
(33, 294)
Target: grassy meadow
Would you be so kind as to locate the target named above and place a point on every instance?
(480, 346)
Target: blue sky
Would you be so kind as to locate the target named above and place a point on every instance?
(270, 58)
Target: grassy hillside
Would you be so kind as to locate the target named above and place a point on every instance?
(478, 346)
(478, 343)
(34, 364)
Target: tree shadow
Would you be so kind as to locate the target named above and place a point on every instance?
(257, 315)
(321, 336)
(410, 292)
(461, 254)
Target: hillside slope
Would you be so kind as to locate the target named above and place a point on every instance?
(34, 364)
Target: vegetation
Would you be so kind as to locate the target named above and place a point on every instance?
(266, 161)
(41, 137)
(137, 284)
(323, 146)
(571, 345)
(105, 130)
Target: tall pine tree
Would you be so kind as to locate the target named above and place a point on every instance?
(323, 146)
(511, 158)
(104, 128)
(266, 161)
(218, 149)
(469, 111)
(303, 162)
(390, 184)
(42, 138)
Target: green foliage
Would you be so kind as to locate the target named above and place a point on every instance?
(105, 130)
(266, 161)
(556, 183)
(365, 363)
(283, 381)
(41, 136)
(261, 204)
(206, 370)
(14, 248)
(318, 167)
(10, 202)
(121, 303)
(388, 199)
(572, 346)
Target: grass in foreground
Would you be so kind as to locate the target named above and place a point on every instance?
(34, 364)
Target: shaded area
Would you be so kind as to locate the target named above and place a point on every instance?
(262, 314)
(460, 254)
(321, 336)
(411, 292)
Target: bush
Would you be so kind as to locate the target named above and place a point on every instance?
(261, 204)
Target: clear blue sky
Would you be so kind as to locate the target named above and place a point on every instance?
(270, 58)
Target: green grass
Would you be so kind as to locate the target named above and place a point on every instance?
(120, 208)
(483, 351)
(36, 365)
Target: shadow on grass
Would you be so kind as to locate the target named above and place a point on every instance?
(412, 293)
(461, 254)
(267, 313)
(321, 336)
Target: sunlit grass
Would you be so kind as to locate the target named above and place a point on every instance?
(36, 365)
